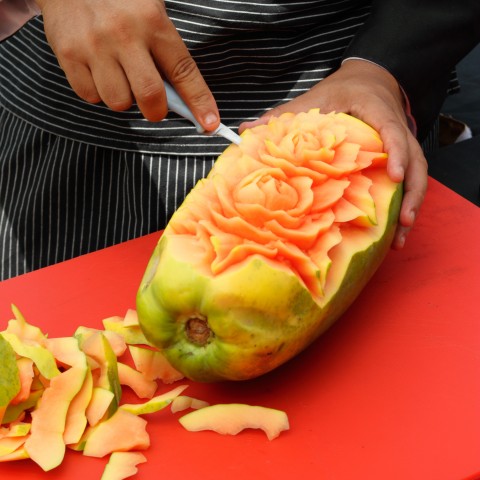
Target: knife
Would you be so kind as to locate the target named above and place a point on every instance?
(177, 105)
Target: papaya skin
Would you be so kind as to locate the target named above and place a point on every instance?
(260, 317)
(257, 313)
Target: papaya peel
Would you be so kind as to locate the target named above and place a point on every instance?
(80, 407)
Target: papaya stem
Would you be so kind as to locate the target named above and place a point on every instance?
(198, 331)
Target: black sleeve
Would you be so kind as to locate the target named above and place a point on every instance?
(419, 42)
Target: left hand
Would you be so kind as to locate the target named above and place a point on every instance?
(372, 94)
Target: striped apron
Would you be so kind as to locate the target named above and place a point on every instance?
(76, 177)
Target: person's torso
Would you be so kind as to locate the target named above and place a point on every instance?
(253, 55)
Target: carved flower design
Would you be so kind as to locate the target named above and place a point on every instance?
(286, 193)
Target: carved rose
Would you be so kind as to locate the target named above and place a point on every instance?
(287, 193)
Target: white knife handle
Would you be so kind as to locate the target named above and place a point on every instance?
(177, 105)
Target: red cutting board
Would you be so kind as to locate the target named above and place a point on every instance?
(392, 391)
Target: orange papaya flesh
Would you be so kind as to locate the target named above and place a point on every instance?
(122, 465)
(154, 404)
(131, 318)
(18, 454)
(136, 380)
(231, 419)
(32, 428)
(9, 444)
(99, 405)
(38, 353)
(76, 420)
(123, 431)
(131, 333)
(98, 347)
(153, 365)
(184, 402)
(15, 429)
(26, 373)
(23, 330)
(50, 417)
(271, 248)
(14, 412)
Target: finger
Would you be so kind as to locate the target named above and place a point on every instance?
(400, 237)
(175, 61)
(146, 84)
(80, 79)
(112, 84)
(415, 185)
(396, 144)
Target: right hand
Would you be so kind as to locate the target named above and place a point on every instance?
(116, 51)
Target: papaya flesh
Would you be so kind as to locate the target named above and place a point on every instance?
(271, 248)
(231, 419)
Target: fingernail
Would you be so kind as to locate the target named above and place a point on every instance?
(210, 118)
(400, 172)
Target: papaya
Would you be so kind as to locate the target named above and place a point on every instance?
(10, 385)
(153, 365)
(46, 445)
(231, 419)
(100, 403)
(122, 465)
(155, 404)
(137, 381)
(271, 247)
(184, 402)
(123, 431)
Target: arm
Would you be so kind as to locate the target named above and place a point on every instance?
(419, 43)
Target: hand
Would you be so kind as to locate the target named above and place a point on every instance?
(371, 94)
(115, 51)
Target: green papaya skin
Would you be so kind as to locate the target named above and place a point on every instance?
(249, 319)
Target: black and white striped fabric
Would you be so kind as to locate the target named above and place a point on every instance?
(76, 177)
(62, 198)
(253, 55)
